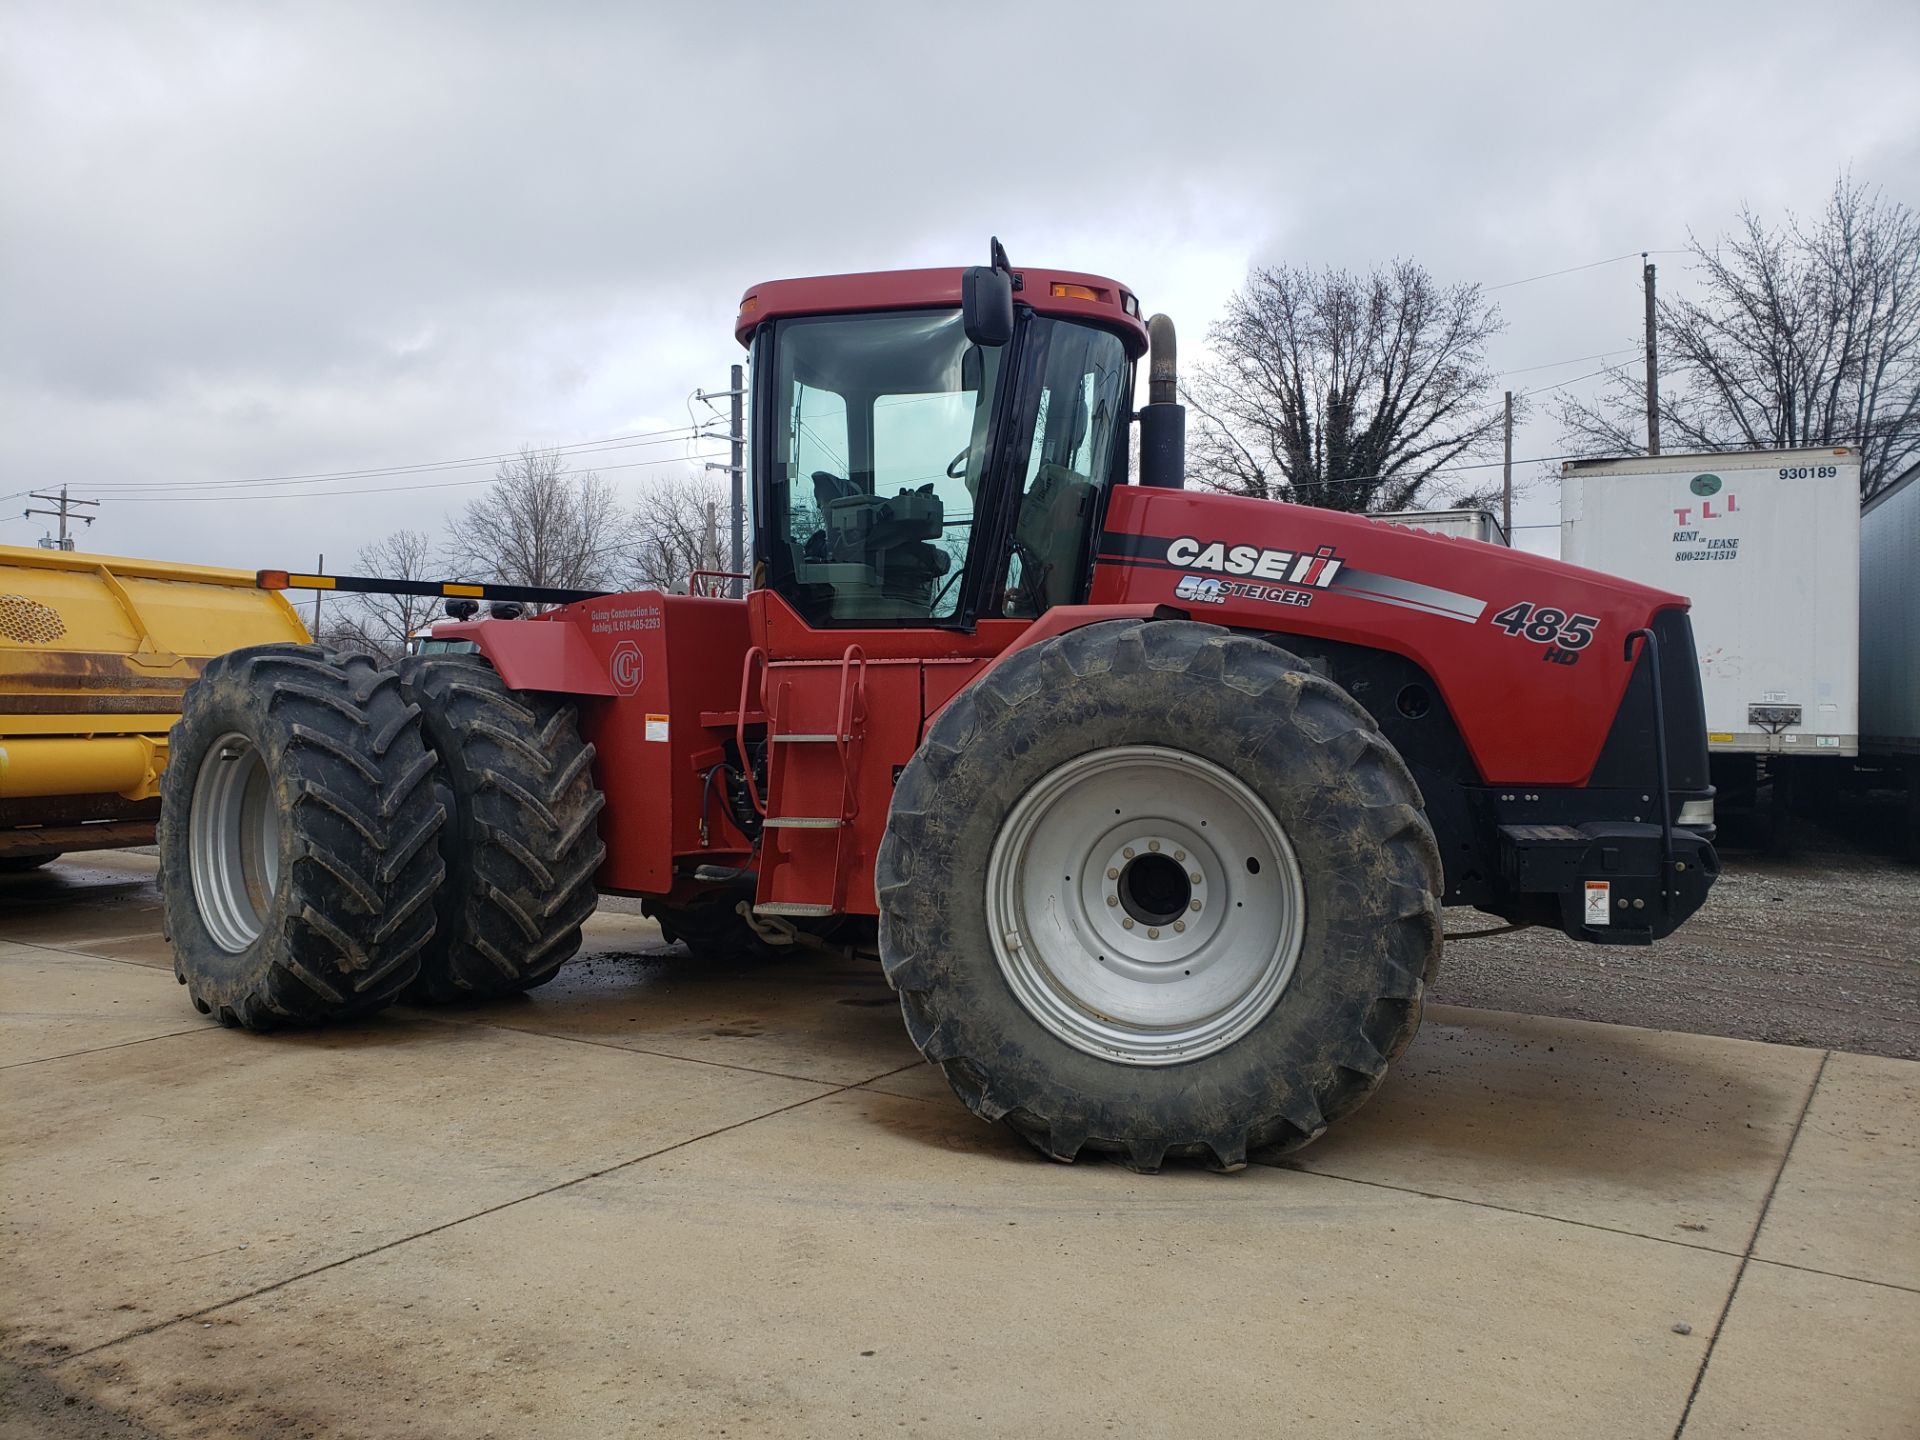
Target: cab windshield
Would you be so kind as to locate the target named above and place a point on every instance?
(880, 483)
(879, 438)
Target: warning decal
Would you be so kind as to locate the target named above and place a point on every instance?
(1599, 893)
(656, 727)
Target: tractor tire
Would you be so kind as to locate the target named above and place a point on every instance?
(1156, 889)
(297, 825)
(522, 845)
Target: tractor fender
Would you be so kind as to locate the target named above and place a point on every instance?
(547, 653)
(1058, 621)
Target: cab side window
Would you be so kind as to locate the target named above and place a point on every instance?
(1082, 391)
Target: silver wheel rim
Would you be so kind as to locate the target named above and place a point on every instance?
(1099, 940)
(233, 842)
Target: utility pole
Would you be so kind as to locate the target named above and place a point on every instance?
(64, 510)
(1506, 475)
(737, 382)
(736, 469)
(1653, 362)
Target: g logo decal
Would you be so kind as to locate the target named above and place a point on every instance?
(626, 667)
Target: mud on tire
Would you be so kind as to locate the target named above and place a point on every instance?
(305, 891)
(1369, 874)
(522, 845)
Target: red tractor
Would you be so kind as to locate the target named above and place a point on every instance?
(1147, 800)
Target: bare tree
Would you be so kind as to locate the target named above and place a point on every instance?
(676, 524)
(1345, 391)
(382, 623)
(1807, 334)
(540, 523)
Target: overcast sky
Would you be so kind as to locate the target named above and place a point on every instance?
(247, 241)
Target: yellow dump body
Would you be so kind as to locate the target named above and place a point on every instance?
(95, 653)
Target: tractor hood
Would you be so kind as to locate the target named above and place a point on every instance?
(1485, 622)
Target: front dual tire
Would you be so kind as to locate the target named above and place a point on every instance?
(1070, 975)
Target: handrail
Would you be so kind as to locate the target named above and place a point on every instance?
(755, 654)
(695, 587)
(1652, 651)
(853, 686)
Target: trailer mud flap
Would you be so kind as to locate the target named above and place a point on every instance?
(1612, 882)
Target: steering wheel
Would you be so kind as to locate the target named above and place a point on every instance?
(957, 467)
(933, 605)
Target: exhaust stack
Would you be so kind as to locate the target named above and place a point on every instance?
(1163, 419)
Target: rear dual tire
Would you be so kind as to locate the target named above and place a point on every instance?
(1250, 1020)
(522, 844)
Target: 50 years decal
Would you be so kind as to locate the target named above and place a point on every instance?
(1211, 590)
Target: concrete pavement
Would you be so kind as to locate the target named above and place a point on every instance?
(657, 1198)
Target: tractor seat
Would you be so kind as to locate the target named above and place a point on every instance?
(1052, 532)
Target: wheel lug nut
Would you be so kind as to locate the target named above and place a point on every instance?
(1195, 876)
(1180, 926)
(1179, 854)
(1153, 844)
(1153, 934)
(1113, 899)
(1194, 906)
(1127, 923)
(1128, 852)
(1113, 873)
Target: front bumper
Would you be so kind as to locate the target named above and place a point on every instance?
(1609, 882)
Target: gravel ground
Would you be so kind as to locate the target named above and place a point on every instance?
(1818, 948)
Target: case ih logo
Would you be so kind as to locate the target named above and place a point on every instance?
(626, 666)
(1290, 567)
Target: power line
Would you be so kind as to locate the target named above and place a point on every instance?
(1575, 269)
(1603, 370)
(391, 489)
(1556, 364)
(641, 441)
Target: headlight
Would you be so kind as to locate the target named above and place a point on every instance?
(1696, 814)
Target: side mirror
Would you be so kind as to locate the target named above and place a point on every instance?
(986, 305)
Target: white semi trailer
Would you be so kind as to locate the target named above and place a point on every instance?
(1472, 522)
(1766, 544)
(1890, 638)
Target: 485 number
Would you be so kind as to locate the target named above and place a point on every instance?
(1545, 625)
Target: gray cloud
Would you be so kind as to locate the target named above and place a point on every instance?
(239, 242)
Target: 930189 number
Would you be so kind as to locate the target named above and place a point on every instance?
(1545, 625)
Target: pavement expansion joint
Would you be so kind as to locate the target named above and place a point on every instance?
(117, 1045)
(827, 1093)
(668, 1054)
(90, 954)
(1835, 1275)
(1503, 1209)
(1753, 1238)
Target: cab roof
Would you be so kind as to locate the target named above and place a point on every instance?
(1069, 294)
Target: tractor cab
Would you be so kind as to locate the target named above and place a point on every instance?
(932, 447)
